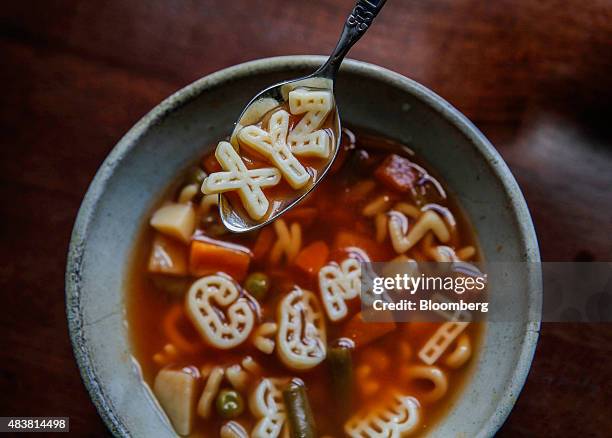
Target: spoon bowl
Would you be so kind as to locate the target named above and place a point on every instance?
(269, 98)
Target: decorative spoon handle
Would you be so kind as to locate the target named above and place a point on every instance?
(357, 23)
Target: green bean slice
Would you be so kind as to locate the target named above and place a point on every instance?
(340, 363)
(299, 414)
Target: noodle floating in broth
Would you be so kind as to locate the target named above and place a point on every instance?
(261, 334)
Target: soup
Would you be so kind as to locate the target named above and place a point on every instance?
(261, 334)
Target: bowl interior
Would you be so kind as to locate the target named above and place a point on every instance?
(177, 131)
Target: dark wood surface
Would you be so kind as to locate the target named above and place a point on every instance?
(535, 76)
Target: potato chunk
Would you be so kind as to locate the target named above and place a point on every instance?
(176, 392)
(175, 220)
(167, 256)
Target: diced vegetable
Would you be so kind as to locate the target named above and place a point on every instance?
(209, 258)
(263, 244)
(397, 173)
(167, 256)
(340, 363)
(175, 220)
(312, 257)
(257, 284)
(299, 414)
(176, 392)
(229, 403)
(362, 333)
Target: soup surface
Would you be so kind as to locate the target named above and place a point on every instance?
(221, 323)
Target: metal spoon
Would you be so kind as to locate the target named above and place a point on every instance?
(357, 23)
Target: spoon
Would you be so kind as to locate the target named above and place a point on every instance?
(357, 23)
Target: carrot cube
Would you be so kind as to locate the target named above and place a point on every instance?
(208, 258)
(312, 257)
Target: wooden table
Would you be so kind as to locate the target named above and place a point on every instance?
(535, 76)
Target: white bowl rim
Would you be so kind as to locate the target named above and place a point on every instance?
(495, 162)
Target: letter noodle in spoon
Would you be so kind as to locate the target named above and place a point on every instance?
(273, 145)
(248, 182)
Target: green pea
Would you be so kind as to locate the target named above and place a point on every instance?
(229, 403)
(257, 284)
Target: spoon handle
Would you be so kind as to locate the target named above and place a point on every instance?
(357, 23)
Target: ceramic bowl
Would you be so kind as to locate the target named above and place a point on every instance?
(175, 132)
